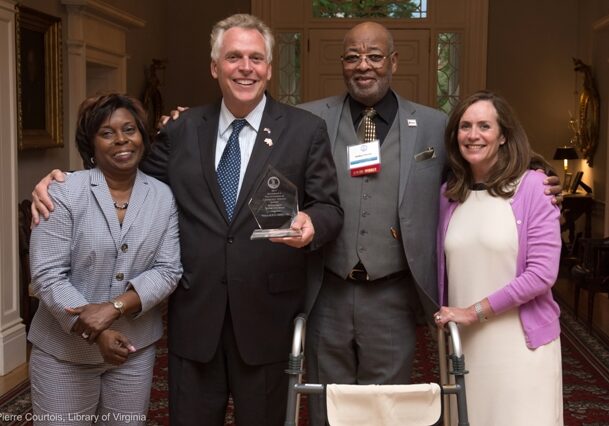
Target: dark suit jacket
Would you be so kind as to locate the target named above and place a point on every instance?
(264, 283)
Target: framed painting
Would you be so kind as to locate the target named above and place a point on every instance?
(39, 80)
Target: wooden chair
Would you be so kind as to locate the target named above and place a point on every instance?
(592, 271)
(570, 253)
(28, 304)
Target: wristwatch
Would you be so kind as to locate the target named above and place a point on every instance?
(118, 305)
(480, 312)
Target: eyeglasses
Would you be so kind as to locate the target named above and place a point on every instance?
(373, 59)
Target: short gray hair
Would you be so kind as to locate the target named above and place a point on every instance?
(241, 20)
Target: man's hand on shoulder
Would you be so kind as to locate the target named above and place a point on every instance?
(552, 182)
(41, 202)
(173, 115)
(553, 188)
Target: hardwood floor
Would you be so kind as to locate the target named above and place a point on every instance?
(14, 378)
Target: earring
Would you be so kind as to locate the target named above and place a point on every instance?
(92, 159)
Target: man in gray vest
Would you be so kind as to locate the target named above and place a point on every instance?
(382, 267)
(381, 270)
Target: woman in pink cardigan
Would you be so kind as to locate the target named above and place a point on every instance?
(498, 253)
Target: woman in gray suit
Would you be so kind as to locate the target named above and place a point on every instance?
(101, 264)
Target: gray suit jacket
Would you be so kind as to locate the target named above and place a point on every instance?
(83, 255)
(422, 161)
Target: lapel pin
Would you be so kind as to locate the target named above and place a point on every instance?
(268, 141)
(267, 130)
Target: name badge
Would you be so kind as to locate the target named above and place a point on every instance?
(364, 158)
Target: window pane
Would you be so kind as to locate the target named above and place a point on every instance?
(449, 47)
(288, 64)
(415, 9)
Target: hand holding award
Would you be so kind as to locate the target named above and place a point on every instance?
(274, 206)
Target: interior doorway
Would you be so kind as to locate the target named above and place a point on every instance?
(324, 72)
(441, 46)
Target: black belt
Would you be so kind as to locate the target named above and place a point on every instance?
(359, 274)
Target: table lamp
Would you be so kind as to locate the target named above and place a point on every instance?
(566, 153)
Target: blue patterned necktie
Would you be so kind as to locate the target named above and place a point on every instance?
(229, 168)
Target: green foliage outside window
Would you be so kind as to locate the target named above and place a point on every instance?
(368, 9)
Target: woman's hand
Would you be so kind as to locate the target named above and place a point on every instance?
(114, 347)
(461, 316)
(93, 319)
(173, 115)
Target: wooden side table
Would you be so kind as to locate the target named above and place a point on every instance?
(573, 207)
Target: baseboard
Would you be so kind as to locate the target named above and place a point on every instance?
(13, 346)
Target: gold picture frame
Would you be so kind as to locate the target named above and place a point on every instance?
(576, 181)
(39, 80)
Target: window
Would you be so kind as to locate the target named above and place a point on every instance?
(448, 90)
(414, 9)
(288, 64)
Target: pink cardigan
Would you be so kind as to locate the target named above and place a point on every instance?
(539, 245)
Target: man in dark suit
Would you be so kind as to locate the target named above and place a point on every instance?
(230, 319)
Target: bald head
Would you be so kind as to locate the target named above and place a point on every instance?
(368, 79)
(369, 29)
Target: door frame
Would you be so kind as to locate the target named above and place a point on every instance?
(469, 18)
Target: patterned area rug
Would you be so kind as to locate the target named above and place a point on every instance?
(585, 375)
(585, 381)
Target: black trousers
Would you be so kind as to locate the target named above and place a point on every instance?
(199, 391)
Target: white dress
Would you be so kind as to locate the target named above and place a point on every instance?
(508, 383)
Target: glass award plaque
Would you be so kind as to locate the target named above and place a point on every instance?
(274, 206)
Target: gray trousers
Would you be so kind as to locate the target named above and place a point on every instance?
(360, 333)
(66, 393)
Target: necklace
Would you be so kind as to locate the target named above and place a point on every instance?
(120, 206)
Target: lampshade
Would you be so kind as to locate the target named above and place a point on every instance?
(566, 153)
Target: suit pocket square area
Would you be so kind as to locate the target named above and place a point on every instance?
(425, 155)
